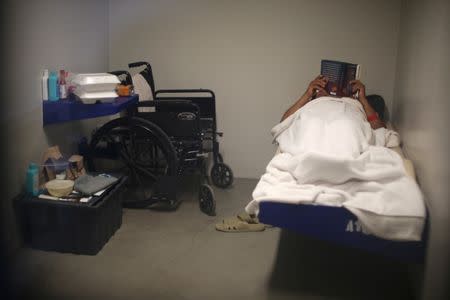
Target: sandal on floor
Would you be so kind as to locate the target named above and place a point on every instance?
(245, 217)
(235, 225)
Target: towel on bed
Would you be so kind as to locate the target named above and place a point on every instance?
(331, 156)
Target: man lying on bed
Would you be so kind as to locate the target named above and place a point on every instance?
(334, 151)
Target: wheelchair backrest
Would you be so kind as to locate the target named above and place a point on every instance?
(206, 103)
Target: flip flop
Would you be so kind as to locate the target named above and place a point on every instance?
(235, 225)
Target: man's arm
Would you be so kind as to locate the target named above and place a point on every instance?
(318, 84)
(374, 121)
(297, 105)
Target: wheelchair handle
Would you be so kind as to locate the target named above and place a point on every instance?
(138, 64)
(186, 91)
(128, 79)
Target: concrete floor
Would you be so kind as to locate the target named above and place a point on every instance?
(180, 255)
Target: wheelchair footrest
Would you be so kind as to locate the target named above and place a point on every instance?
(161, 202)
(165, 193)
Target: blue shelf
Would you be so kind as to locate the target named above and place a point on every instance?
(66, 110)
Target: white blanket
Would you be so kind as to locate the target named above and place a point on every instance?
(329, 155)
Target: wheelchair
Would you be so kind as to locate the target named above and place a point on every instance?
(158, 141)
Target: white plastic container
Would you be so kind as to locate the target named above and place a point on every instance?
(95, 86)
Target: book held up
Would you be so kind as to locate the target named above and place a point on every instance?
(339, 75)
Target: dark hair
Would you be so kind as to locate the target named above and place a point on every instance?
(378, 104)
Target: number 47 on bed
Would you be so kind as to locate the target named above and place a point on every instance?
(355, 226)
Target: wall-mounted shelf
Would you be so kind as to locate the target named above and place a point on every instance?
(65, 110)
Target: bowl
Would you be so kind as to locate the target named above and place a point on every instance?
(59, 187)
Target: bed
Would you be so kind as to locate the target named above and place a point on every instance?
(287, 194)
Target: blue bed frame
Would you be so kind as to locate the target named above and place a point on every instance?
(340, 226)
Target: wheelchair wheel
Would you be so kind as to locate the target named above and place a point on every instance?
(221, 175)
(206, 200)
(141, 150)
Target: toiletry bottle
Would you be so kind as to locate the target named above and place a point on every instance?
(57, 86)
(32, 184)
(53, 86)
(45, 85)
(62, 85)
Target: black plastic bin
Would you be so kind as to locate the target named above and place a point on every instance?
(69, 226)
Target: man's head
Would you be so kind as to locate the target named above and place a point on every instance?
(378, 104)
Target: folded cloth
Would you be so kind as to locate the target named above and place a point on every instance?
(88, 185)
(142, 88)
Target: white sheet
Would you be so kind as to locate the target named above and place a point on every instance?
(331, 156)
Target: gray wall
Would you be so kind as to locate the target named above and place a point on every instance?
(257, 55)
(421, 116)
(44, 34)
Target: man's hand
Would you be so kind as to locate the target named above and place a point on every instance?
(317, 86)
(358, 86)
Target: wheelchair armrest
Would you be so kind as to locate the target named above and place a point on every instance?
(170, 103)
(186, 91)
(152, 103)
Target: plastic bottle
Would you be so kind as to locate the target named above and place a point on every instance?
(45, 85)
(57, 86)
(32, 184)
(62, 85)
(53, 87)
